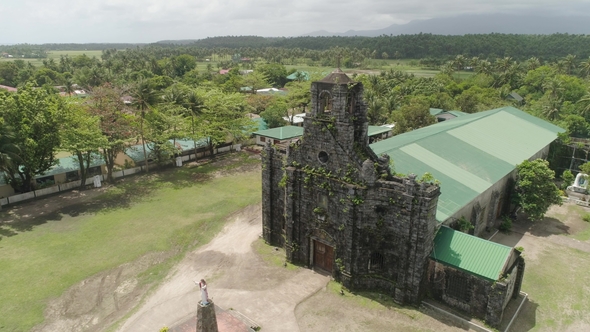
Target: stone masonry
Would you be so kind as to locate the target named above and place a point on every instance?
(334, 205)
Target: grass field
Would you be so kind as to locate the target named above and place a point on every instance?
(56, 55)
(558, 288)
(377, 65)
(176, 209)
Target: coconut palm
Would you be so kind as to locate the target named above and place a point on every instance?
(144, 96)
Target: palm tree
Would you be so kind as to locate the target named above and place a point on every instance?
(144, 96)
(585, 68)
(583, 105)
(194, 104)
(570, 63)
(533, 63)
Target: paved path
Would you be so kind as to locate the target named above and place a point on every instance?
(237, 279)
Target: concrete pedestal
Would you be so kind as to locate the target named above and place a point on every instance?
(206, 319)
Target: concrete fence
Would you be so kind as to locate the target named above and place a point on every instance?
(118, 174)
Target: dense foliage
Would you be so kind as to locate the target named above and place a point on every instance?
(535, 190)
(155, 94)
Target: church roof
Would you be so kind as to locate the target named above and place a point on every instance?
(281, 133)
(470, 254)
(470, 153)
(337, 77)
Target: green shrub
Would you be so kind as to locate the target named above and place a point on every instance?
(586, 217)
(568, 179)
(463, 225)
(506, 224)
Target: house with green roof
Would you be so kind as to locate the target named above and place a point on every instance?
(287, 134)
(442, 115)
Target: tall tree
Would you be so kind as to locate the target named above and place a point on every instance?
(114, 121)
(34, 115)
(81, 135)
(535, 190)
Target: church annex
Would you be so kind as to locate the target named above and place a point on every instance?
(334, 205)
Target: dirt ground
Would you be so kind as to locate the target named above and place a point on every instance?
(275, 298)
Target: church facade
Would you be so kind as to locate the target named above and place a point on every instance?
(334, 205)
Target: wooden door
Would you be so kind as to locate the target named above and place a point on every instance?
(323, 256)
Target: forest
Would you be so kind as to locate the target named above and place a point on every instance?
(154, 94)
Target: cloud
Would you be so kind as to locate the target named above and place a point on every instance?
(38, 21)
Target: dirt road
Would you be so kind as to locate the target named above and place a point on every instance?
(237, 279)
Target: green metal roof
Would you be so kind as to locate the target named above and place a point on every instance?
(69, 164)
(135, 152)
(303, 75)
(281, 133)
(435, 111)
(457, 113)
(470, 153)
(260, 124)
(377, 130)
(470, 254)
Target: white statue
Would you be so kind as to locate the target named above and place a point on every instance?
(97, 183)
(580, 184)
(204, 295)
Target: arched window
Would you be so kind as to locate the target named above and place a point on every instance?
(376, 262)
(325, 100)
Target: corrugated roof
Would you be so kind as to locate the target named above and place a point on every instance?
(299, 75)
(470, 153)
(135, 152)
(260, 124)
(470, 254)
(376, 130)
(69, 164)
(281, 133)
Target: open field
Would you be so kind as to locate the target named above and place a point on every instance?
(378, 65)
(557, 272)
(56, 55)
(56, 262)
(44, 252)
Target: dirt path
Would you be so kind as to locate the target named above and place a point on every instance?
(237, 279)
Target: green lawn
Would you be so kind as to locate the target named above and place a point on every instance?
(175, 209)
(557, 284)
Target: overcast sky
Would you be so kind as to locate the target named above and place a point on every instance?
(144, 21)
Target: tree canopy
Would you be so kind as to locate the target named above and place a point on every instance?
(535, 190)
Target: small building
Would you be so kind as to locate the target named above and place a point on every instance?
(513, 96)
(299, 76)
(287, 134)
(278, 136)
(133, 155)
(68, 169)
(442, 115)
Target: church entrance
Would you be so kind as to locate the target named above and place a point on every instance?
(323, 256)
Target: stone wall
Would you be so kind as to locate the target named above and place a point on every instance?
(487, 299)
(332, 188)
(478, 289)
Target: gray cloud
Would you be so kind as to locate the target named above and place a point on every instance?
(40, 21)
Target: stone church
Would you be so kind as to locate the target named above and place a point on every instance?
(335, 206)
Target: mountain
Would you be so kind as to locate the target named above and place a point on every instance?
(479, 24)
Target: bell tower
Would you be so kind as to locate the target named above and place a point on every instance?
(336, 128)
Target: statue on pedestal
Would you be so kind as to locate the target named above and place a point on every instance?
(204, 295)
